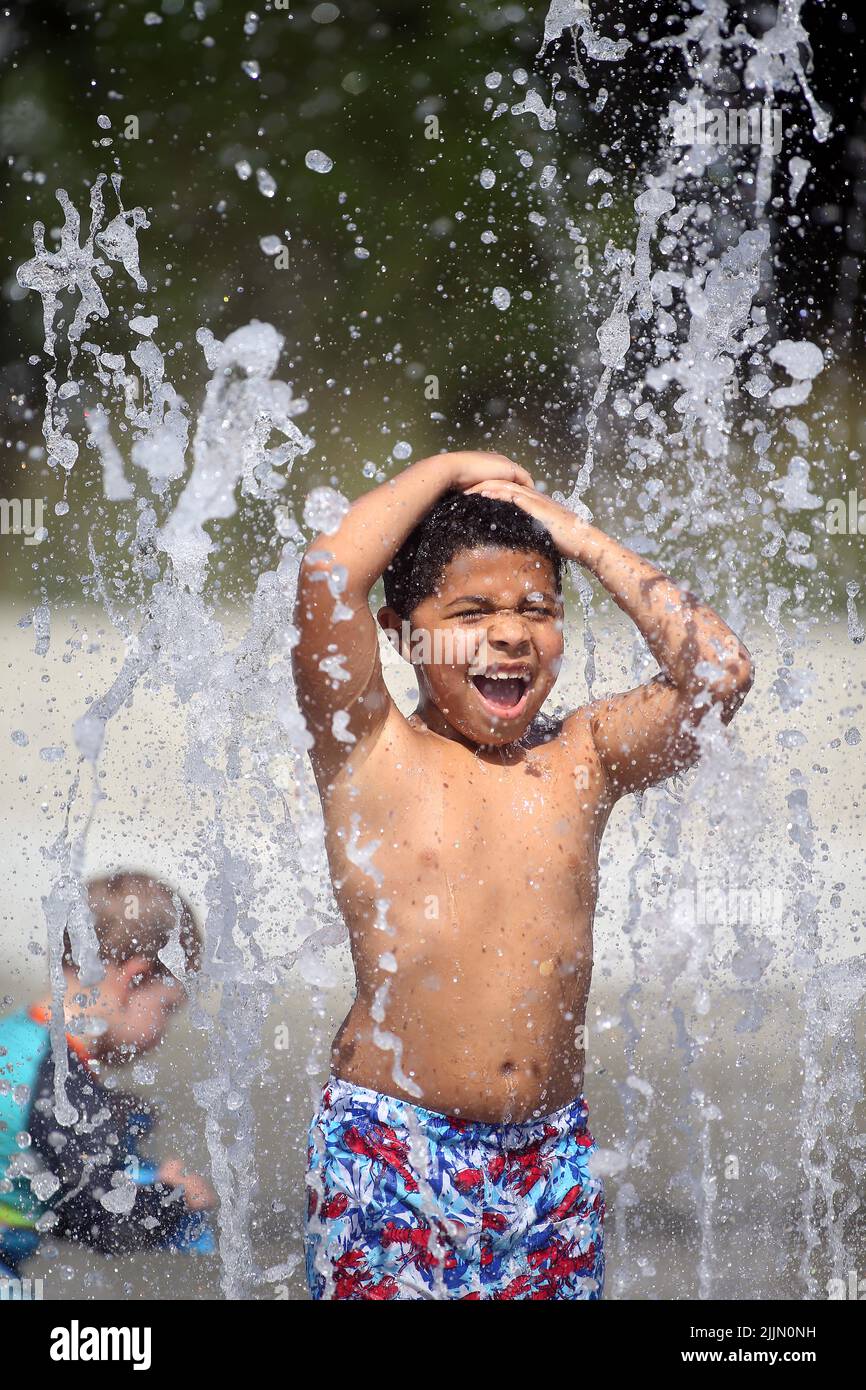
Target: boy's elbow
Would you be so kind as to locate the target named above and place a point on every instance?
(319, 576)
(735, 680)
(740, 672)
(318, 559)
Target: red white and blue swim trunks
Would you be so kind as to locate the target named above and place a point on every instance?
(405, 1203)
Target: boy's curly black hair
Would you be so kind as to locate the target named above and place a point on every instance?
(461, 521)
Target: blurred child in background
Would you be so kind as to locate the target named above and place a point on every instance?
(85, 1181)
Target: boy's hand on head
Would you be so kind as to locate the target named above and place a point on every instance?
(472, 467)
(562, 524)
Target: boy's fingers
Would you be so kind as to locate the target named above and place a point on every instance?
(511, 473)
(500, 485)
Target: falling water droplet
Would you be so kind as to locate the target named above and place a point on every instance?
(855, 627)
(266, 182)
(324, 509)
(318, 161)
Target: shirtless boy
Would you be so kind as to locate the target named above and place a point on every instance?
(450, 1155)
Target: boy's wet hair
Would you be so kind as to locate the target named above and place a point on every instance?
(135, 914)
(461, 521)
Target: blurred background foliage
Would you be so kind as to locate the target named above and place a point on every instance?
(389, 282)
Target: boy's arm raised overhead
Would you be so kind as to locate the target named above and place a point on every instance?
(647, 734)
(336, 661)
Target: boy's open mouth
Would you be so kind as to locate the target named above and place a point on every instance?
(503, 692)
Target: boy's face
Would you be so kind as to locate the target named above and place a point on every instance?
(490, 642)
(133, 1006)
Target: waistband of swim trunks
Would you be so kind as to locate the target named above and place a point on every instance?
(342, 1099)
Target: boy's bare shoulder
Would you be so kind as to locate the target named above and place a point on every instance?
(577, 727)
(580, 757)
(565, 739)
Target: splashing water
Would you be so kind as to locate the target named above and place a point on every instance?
(689, 301)
(691, 288)
(234, 694)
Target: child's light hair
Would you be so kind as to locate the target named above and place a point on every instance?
(135, 914)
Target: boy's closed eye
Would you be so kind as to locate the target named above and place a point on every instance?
(534, 609)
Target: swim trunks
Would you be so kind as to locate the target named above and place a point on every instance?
(406, 1203)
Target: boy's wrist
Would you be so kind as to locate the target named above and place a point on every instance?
(441, 469)
(590, 537)
(580, 540)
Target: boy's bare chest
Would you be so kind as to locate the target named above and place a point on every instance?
(452, 811)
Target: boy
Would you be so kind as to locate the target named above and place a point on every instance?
(449, 1157)
(84, 1181)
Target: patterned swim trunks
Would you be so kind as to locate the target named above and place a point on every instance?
(405, 1203)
